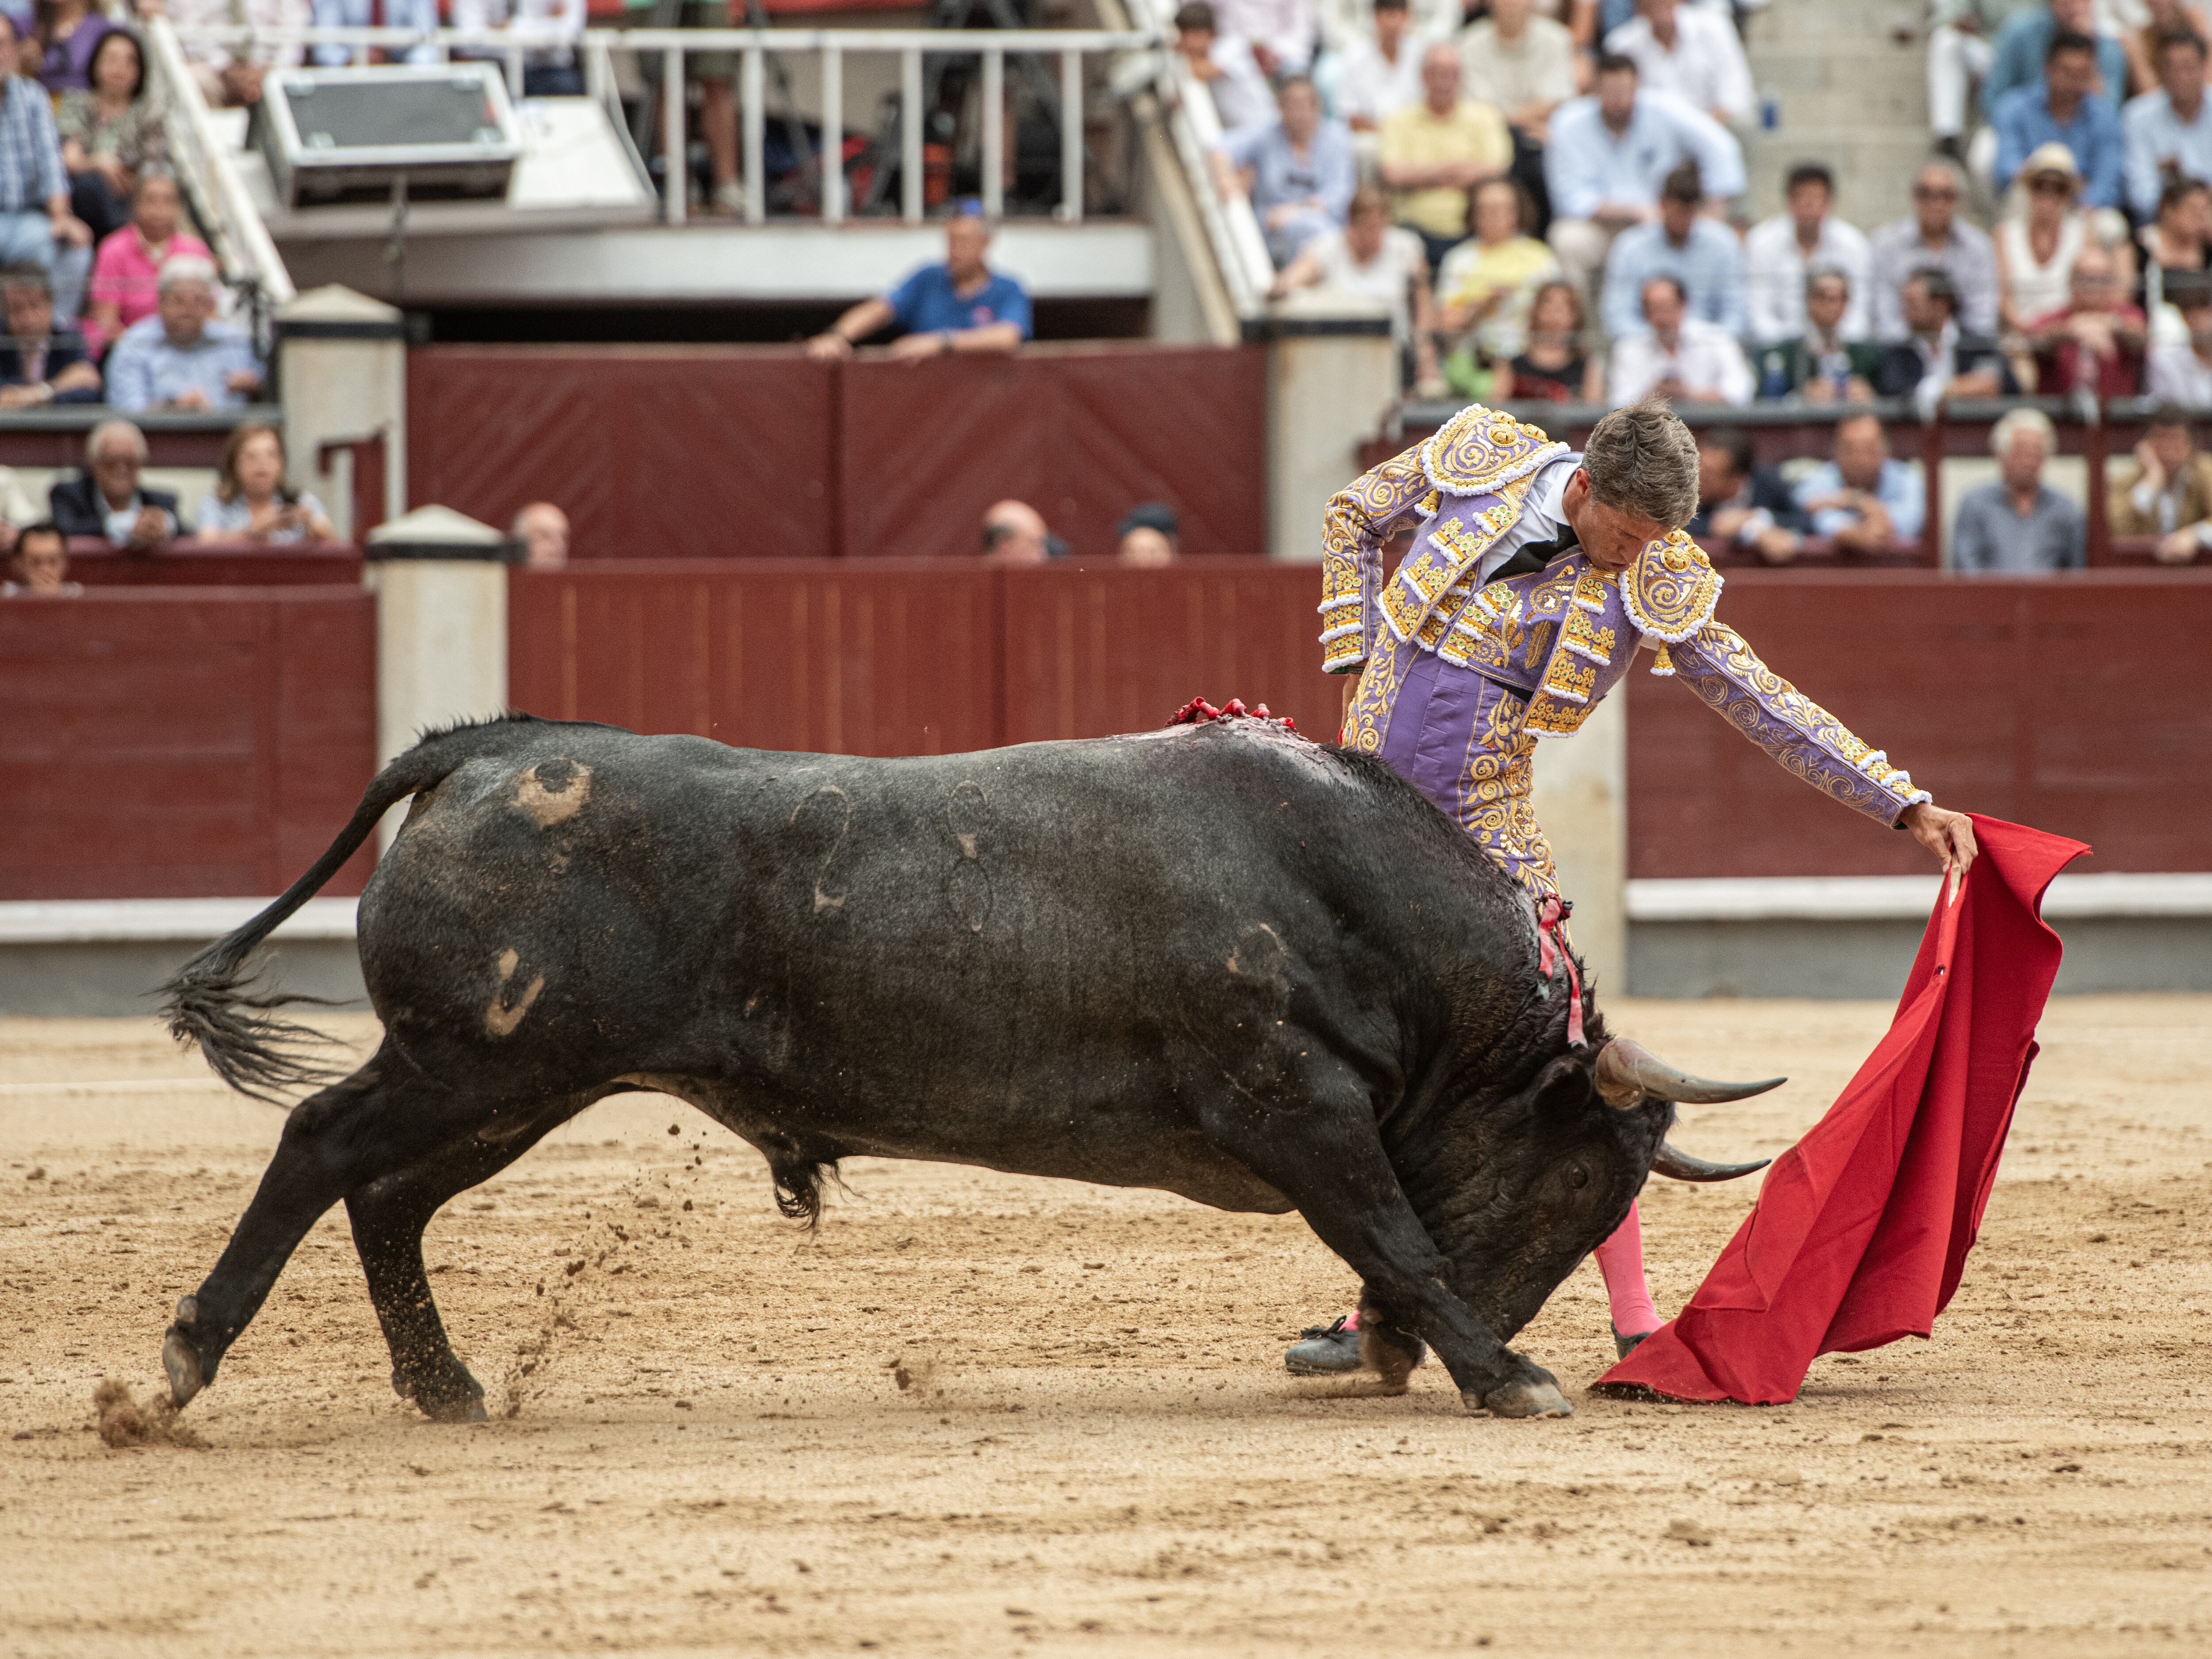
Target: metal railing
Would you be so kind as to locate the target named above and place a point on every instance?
(209, 172)
(753, 47)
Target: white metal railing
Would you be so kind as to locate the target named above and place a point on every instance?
(206, 167)
(753, 46)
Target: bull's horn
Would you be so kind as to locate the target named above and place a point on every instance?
(1672, 1160)
(1628, 1074)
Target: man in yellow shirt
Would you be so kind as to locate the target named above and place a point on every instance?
(1435, 151)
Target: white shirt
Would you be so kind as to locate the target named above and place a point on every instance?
(2179, 375)
(1538, 68)
(1706, 67)
(1241, 98)
(255, 14)
(1386, 278)
(550, 27)
(1540, 519)
(1343, 22)
(1371, 85)
(1285, 27)
(1705, 359)
(1775, 269)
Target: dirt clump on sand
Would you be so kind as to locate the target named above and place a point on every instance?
(122, 1421)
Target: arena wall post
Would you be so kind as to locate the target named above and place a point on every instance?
(1332, 378)
(342, 375)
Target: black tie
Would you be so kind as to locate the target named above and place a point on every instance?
(1534, 556)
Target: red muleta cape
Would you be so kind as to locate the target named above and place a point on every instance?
(1862, 1229)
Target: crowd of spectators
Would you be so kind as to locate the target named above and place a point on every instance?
(1596, 145)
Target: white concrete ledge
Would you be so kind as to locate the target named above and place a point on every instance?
(93, 921)
(1900, 898)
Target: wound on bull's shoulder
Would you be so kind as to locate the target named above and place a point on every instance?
(553, 791)
(502, 1016)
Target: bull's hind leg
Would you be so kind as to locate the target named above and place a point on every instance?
(384, 1116)
(1331, 1165)
(388, 1217)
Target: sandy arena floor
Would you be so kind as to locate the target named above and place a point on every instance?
(1098, 1451)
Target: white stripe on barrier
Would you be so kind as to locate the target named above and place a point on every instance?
(1897, 898)
(91, 921)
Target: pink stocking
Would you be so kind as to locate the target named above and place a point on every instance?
(1621, 1258)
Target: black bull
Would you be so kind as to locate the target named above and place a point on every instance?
(1221, 961)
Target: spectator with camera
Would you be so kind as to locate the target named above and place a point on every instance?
(251, 501)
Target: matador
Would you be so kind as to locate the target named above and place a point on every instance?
(1535, 577)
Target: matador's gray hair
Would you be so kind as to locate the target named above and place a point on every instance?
(1643, 461)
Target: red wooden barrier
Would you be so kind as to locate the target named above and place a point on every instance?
(216, 564)
(2066, 704)
(897, 657)
(165, 743)
(756, 452)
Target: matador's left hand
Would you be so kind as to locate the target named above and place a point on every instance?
(1948, 836)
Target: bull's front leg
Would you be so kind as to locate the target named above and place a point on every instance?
(1325, 1157)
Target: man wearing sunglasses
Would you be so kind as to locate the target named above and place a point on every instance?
(1932, 236)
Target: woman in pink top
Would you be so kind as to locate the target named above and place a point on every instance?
(129, 262)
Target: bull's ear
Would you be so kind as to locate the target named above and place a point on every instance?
(1562, 1089)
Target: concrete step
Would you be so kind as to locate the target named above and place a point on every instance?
(1801, 23)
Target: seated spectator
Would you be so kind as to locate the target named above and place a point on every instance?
(230, 77)
(1746, 515)
(1520, 61)
(2096, 342)
(1373, 259)
(2018, 523)
(110, 132)
(1298, 170)
(2183, 374)
(1692, 51)
(2023, 49)
(2169, 493)
(1864, 502)
(1280, 32)
(1014, 533)
(2064, 110)
(420, 15)
(543, 530)
(2166, 134)
(1553, 366)
(35, 189)
(1222, 65)
(550, 27)
(2174, 240)
(1701, 255)
(126, 273)
(962, 305)
(251, 501)
(1937, 359)
(1820, 366)
(1610, 154)
(1780, 252)
(1435, 151)
(2036, 255)
(1959, 50)
(105, 500)
(1489, 280)
(1149, 535)
(41, 566)
(2142, 25)
(1675, 355)
(63, 36)
(39, 363)
(1381, 71)
(181, 357)
(1933, 236)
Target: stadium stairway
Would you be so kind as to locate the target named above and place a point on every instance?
(1848, 80)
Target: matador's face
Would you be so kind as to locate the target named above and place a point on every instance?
(1612, 535)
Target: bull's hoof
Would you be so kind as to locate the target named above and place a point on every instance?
(457, 1398)
(179, 1358)
(470, 1409)
(1527, 1400)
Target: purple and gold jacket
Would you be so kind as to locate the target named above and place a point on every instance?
(1564, 636)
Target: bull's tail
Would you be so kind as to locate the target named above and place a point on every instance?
(215, 1000)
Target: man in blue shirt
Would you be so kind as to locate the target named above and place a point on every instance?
(2168, 131)
(1702, 254)
(1298, 170)
(2064, 110)
(1606, 154)
(180, 357)
(2024, 45)
(962, 305)
(1863, 501)
(34, 187)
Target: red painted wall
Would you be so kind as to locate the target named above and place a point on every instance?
(736, 452)
(166, 744)
(2081, 705)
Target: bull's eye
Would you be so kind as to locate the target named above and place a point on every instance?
(1577, 1176)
